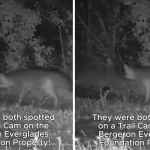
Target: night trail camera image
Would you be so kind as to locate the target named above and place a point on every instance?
(112, 75)
(36, 65)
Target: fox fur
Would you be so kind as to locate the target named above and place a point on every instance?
(40, 83)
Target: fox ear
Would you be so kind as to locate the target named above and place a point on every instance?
(125, 66)
(129, 73)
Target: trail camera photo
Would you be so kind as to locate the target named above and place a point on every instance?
(36, 81)
(112, 75)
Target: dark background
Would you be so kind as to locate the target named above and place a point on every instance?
(105, 34)
(37, 41)
(109, 34)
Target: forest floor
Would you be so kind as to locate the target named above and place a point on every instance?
(27, 127)
(103, 124)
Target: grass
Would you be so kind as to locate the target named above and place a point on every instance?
(87, 129)
(57, 133)
(96, 145)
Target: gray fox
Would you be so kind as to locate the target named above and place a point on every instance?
(95, 80)
(40, 83)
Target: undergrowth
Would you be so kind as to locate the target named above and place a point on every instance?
(56, 132)
(86, 127)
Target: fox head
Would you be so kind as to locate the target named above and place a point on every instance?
(5, 82)
(129, 73)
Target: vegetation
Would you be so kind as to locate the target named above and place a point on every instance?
(109, 34)
(30, 33)
(58, 132)
(113, 32)
(87, 128)
(36, 34)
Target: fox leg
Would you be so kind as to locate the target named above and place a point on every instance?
(43, 100)
(147, 90)
(65, 94)
(21, 96)
(54, 96)
(50, 92)
(27, 88)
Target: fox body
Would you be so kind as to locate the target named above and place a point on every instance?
(117, 83)
(40, 83)
(141, 75)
